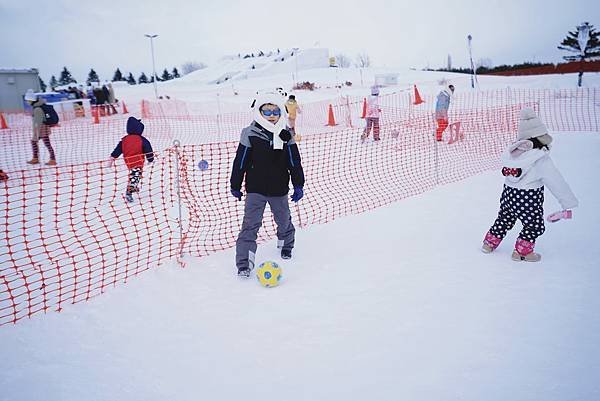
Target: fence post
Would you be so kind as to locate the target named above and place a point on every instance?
(219, 115)
(176, 145)
(436, 162)
(595, 103)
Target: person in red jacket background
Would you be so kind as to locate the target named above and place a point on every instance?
(134, 147)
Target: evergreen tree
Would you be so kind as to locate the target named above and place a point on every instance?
(42, 84)
(130, 79)
(591, 50)
(175, 73)
(166, 76)
(118, 76)
(92, 77)
(143, 79)
(66, 77)
(53, 82)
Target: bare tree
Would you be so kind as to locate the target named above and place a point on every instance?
(363, 60)
(191, 66)
(342, 61)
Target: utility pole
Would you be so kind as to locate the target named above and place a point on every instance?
(473, 75)
(151, 37)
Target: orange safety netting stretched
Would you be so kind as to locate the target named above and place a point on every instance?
(68, 235)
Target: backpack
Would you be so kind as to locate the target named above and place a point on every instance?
(50, 115)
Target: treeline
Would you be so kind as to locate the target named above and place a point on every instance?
(499, 68)
(66, 78)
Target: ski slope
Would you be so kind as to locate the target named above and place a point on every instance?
(393, 304)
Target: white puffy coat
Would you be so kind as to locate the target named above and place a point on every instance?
(537, 170)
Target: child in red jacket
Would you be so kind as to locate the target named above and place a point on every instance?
(133, 147)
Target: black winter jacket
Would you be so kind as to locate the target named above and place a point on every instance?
(267, 170)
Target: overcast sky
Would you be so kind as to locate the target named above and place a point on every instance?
(105, 35)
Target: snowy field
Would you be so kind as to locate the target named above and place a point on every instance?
(393, 304)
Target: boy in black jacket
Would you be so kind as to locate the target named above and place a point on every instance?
(267, 156)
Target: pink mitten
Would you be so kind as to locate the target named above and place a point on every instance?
(563, 214)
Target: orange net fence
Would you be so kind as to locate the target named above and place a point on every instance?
(67, 234)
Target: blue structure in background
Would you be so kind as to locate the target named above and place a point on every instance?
(50, 97)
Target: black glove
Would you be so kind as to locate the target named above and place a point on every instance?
(285, 135)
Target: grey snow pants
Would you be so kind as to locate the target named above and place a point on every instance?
(245, 247)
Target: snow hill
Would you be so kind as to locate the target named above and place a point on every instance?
(312, 65)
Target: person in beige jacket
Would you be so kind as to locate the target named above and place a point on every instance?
(40, 130)
(292, 108)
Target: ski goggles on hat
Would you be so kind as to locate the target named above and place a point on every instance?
(268, 113)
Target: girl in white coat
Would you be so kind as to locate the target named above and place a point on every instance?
(528, 169)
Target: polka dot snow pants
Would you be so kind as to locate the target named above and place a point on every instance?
(525, 205)
(135, 176)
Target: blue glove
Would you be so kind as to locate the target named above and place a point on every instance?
(236, 194)
(298, 194)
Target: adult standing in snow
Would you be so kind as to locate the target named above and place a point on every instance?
(528, 168)
(111, 98)
(106, 96)
(267, 157)
(372, 117)
(441, 110)
(100, 99)
(41, 130)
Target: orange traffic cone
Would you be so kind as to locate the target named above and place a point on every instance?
(418, 99)
(364, 112)
(96, 115)
(125, 111)
(3, 124)
(331, 118)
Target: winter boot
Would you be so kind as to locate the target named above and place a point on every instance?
(128, 197)
(286, 253)
(51, 162)
(490, 243)
(35, 160)
(524, 251)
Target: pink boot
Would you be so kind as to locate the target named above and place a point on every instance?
(524, 251)
(490, 242)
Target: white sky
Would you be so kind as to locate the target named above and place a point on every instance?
(105, 35)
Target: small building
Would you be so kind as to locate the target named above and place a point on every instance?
(386, 79)
(14, 84)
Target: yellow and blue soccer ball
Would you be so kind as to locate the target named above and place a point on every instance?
(269, 274)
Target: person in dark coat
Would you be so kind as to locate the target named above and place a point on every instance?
(267, 157)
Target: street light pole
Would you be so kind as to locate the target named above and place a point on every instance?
(473, 77)
(151, 37)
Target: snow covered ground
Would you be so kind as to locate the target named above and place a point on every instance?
(393, 304)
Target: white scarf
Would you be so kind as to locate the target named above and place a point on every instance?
(276, 128)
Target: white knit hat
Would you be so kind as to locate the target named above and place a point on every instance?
(530, 126)
(30, 96)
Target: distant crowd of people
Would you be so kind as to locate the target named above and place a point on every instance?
(99, 95)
